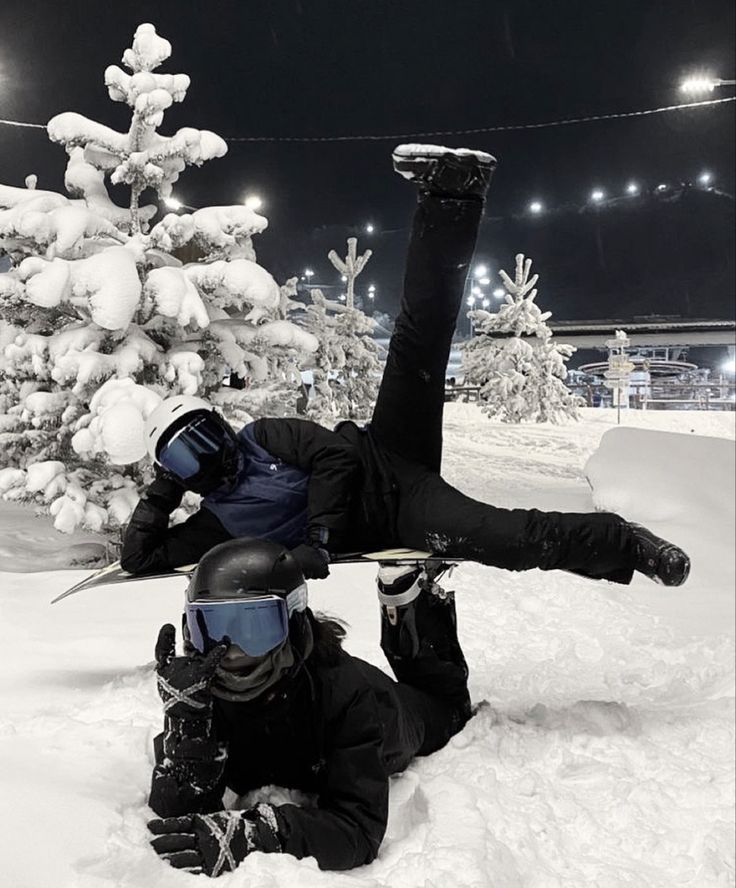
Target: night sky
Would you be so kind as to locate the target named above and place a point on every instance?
(321, 68)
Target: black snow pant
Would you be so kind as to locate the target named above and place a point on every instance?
(421, 645)
(407, 426)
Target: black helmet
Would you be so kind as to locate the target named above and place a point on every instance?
(245, 567)
(248, 590)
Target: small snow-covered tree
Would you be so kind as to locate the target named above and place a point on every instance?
(350, 267)
(514, 359)
(346, 367)
(98, 318)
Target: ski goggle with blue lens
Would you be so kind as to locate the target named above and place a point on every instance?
(186, 454)
(256, 625)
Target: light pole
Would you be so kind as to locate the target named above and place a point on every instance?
(470, 302)
(478, 277)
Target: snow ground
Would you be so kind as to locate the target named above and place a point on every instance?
(604, 758)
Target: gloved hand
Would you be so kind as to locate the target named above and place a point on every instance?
(313, 561)
(165, 491)
(215, 843)
(185, 683)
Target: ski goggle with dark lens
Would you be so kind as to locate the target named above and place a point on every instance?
(256, 625)
(189, 450)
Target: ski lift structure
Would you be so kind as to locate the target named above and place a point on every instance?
(655, 376)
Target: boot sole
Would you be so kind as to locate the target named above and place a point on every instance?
(411, 160)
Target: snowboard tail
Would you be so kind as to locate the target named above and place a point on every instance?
(114, 573)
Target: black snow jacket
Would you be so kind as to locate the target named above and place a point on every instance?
(338, 735)
(351, 491)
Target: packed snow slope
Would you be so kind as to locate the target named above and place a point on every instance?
(604, 757)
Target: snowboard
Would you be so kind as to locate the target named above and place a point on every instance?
(113, 573)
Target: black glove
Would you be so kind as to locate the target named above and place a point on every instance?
(215, 843)
(165, 492)
(185, 683)
(313, 561)
(190, 760)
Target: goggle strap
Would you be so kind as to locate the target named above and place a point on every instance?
(296, 600)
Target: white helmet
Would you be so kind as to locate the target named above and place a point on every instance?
(168, 412)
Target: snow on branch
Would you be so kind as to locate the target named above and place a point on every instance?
(229, 284)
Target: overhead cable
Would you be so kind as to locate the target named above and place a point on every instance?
(511, 127)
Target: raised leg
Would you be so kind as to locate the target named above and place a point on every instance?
(434, 515)
(407, 418)
(452, 185)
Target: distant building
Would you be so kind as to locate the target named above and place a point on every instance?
(706, 342)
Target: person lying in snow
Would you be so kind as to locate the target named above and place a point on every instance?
(322, 493)
(265, 695)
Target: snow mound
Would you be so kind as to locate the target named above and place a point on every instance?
(649, 476)
(683, 488)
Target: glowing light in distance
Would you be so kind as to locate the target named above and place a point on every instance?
(701, 83)
(172, 203)
(499, 292)
(369, 228)
(480, 271)
(729, 366)
(632, 188)
(705, 178)
(470, 301)
(253, 202)
(308, 273)
(662, 186)
(486, 302)
(484, 281)
(344, 278)
(597, 195)
(536, 207)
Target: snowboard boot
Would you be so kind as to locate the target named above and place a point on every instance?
(663, 562)
(419, 633)
(456, 173)
(398, 590)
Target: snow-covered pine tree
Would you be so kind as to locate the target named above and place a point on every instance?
(515, 360)
(98, 318)
(346, 367)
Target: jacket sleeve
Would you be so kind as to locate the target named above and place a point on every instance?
(150, 545)
(332, 462)
(346, 828)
